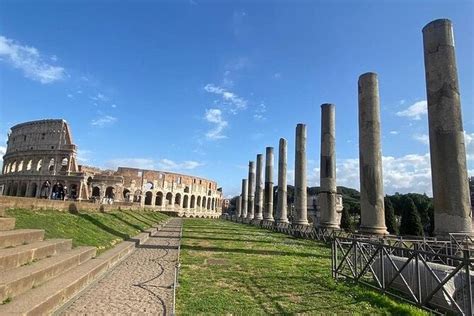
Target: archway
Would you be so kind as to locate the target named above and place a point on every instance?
(209, 203)
(23, 189)
(73, 193)
(14, 189)
(185, 201)
(33, 189)
(148, 197)
(169, 199)
(193, 201)
(198, 201)
(137, 196)
(177, 199)
(96, 192)
(203, 206)
(159, 199)
(44, 193)
(126, 194)
(110, 193)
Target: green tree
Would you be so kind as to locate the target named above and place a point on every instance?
(411, 222)
(390, 219)
(346, 222)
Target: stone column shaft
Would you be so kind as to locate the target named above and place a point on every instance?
(327, 196)
(268, 211)
(301, 211)
(251, 191)
(238, 206)
(370, 157)
(259, 189)
(244, 198)
(282, 213)
(452, 209)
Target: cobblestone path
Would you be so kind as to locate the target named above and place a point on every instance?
(141, 284)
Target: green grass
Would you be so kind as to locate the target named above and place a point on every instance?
(235, 269)
(102, 230)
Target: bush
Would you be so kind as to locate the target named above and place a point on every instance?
(411, 222)
(390, 220)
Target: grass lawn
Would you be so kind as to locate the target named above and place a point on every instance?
(229, 268)
(102, 230)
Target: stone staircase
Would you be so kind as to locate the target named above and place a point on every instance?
(38, 275)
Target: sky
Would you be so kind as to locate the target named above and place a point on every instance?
(202, 87)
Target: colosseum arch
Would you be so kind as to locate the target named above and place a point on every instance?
(193, 201)
(14, 189)
(177, 199)
(169, 199)
(137, 196)
(110, 192)
(29, 165)
(33, 189)
(64, 164)
(20, 166)
(23, 186)
(148, 198)
(39, 165)
(186, 201)
(203, 206)
(126, 194)
(13, 166)
(51, 165)
(159, 199)
(198, 202)
(209, 203)
(96, 192)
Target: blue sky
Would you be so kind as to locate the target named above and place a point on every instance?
(201, 87)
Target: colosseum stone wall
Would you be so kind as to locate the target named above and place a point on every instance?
(40, 162)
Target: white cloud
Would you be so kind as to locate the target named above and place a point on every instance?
(83, 155)
(422, 138)
(215, 116)
(259, 112)
(30, 61)
(394, 132)
(409, 173)
(415, 111)
(99, 97)
(147, 163)
(469, 141)
(103, 121)
(3, 150)
(228, 98)
(114, 105)
(70, 96)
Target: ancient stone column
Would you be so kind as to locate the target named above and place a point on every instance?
(370, 157)
(452, 210)
(282, 214)
(268, 210)
(238, 207)
(244, 198)
(251, 191)
(328, 192)
(301, 211)
(259, 189)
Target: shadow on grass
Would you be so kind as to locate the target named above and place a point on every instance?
(250, 251)
(139, 219)
(127, 222)
(104, 227)
(236, 232)
(293, 243)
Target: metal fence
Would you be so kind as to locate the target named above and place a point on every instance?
(412, 270)
(176, 272)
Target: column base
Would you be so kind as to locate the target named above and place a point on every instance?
(331, 226)
(301, 230)
(269, 224)
(246, 220)
(256, 222)
(374, 230)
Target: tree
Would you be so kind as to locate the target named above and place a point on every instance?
(346, 222)
(390, 220)
(411, 222)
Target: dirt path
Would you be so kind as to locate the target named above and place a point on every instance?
(141, 284)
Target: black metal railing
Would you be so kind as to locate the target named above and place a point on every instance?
(416, 272)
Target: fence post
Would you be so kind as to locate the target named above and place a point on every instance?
(417, 269)
(382, 267)
(355, 260)
(467, 262)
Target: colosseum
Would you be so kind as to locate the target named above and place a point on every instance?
(41, 162)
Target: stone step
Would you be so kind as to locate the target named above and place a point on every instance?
(19, 280)
(7, 223)
(11, 258)
(11, 238)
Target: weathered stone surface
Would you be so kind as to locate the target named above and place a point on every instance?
(11, 238)
(259, 189)
(244, 198)
(251, 191)
(328, 193)
(452, 207)
(238, 206)
(370, 157)
(268, 210)
(282, 213)
(301, 215)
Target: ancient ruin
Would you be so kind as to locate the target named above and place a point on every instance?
(453, 211)
(41, 162)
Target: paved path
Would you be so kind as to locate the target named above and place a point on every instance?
(141, 284)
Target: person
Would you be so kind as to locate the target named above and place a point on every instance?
(64, 193)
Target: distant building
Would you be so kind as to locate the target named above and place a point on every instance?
(41, 162)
